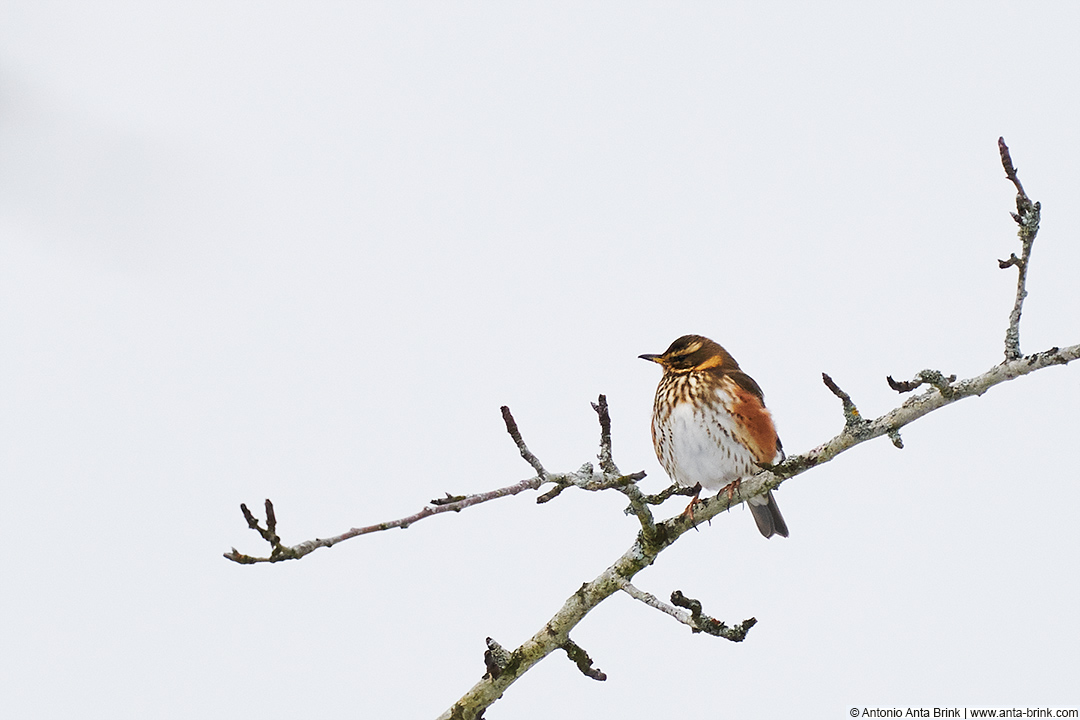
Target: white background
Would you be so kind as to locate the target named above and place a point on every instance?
(306, 250)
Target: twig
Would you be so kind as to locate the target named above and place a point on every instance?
(448, 500)
(586, 478)
(692, 619)
(712, 626)
(654, 602)
(551, 494)
(924, 377)
(269, 533)
(639, 505)
(512, 428)
(581, 658)
(1010, 171)
(669, 492)
(280, 552)
(606, 462)
(916, 407)
(1027, 217)
(496, 659)
(852, 418)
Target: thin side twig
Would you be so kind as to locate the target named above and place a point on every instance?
(639, 505)
(711, 625)
(852, 418)
(584, 663)
(281, 552)
(691, 616)
(607, 464)
(923, 377)
(1027, 217)
(512, 428)
(586, 478)
(496, 658)
(668, 492)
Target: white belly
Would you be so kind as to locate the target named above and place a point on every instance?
(705, 453)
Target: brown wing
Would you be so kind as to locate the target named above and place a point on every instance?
(748, 384)
(759, 433)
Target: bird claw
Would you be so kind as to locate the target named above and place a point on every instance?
(689, 511)
(730, 488)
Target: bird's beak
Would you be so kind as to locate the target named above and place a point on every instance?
(651, 358)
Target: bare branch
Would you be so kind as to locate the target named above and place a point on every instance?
(1010, 171)
(1013, 260)
(504, 667)
(586, 478)
(610, 471)
(1027, 216)
(556, 632)
(512, 428)
(669, 492)
(496, 659)
(852, 418)
(654, 602)
(902, 386)
(712, 626)
(639, 507)
(644, 552)
(269, 534)
(924, 377)
(916, 407)
(551, 494)
(280, 552)
(606, 463)
(581, 658)
(271, 520)
(692, 619)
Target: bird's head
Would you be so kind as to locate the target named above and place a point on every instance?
(692, 353)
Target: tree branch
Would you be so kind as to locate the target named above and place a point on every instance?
(496, 658)
(924, 377)
(852, 418)
(1027, 217)
(504, 667)
(694, 619)
(643, 552)
(581, 658)
(512, 428)
(281, 552)
(712, 626)
(607, 464)
(586, 478)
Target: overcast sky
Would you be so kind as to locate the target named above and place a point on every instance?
(305, 251)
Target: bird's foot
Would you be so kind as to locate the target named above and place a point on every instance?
(689, 511)
(730, 488)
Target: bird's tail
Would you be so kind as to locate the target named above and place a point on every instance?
(767, 515)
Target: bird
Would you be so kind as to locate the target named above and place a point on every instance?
(710, 426)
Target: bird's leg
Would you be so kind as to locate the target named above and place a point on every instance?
(689, 511)
(730, 488)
